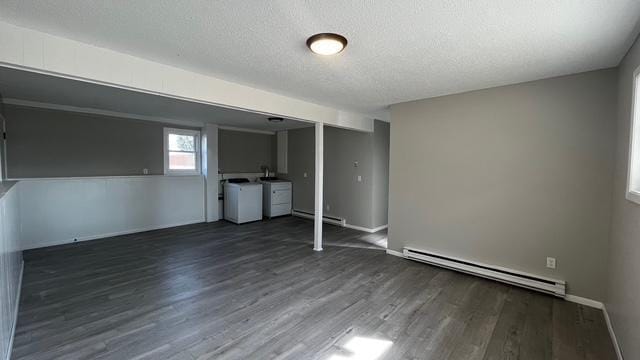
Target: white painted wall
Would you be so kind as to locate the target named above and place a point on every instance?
(10, 268)
(58, 211)
(32, 50)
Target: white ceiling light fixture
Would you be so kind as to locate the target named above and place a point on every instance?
(327, 43)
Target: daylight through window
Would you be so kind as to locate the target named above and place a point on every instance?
(181, 152)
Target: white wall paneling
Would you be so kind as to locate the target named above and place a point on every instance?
(58, 211)
(10, 268)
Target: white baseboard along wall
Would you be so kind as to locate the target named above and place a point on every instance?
(614, 338)
(336, 221)
(59, 211)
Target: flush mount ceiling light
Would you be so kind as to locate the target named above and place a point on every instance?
(276, 119)
(326, 43)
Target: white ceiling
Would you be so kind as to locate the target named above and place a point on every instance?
(398, 50)
(46, 90)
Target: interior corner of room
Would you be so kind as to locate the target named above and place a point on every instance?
(328, 195)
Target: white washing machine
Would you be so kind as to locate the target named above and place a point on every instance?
(242, 201)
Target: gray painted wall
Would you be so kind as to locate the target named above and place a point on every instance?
(53, 143)
(241, 151)
(624, 262)
(380, 173)
(346, 197)
(301, 160)
(361, 203)
(510, 175)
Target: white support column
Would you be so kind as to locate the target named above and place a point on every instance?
(317, 228)
(210, 170)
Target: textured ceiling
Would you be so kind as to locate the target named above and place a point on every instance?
(34, 87)
(398, 50)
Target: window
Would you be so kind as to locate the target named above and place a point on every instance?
(633, 182)
(181, 152)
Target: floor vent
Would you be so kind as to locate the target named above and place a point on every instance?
(326, 219)
(514, 277)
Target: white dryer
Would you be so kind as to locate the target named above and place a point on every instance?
(277, 197)
(242, 201)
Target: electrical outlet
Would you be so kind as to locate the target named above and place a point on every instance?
(359, 178)
(145, 171)
(328, 207)
(305, 175)
(355, 164)
(551, 263)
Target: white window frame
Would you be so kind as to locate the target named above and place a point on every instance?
(633, 176)
(187, 132)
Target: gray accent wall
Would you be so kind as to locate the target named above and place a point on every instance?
(361, 203)
(343, 194)
(246, 152)
(54, 143)
(623, 295)
(509, 176)
(301, 158)
(380, 188)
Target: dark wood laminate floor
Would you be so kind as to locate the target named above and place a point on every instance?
(258, 291)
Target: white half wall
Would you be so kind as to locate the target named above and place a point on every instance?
(31, 50)
(58, 211)
(10, 267)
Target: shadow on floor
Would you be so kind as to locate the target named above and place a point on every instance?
(332, 235)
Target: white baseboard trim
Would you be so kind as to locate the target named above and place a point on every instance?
(336, 221)
(369, 230)
(612, 334)
(308, 215)
(15, 314)
(584, 301)
(395, 253)
(116, 233)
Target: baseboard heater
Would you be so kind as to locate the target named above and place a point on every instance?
(513, 277)
(326, 219)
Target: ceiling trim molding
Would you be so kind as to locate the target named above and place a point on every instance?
(92, 111)
(233, 128)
